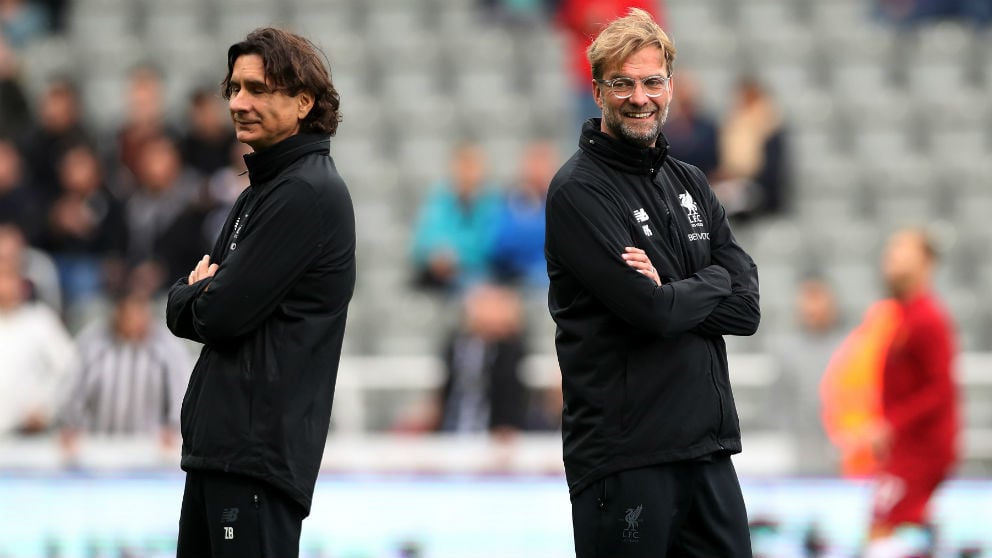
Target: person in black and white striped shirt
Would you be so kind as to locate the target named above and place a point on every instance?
(131, 377)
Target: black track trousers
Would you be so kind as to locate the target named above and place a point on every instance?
(233, 516)
(674, 510)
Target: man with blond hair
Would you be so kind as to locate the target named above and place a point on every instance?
(646, 279)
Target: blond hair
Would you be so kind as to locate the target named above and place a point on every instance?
(625, 36)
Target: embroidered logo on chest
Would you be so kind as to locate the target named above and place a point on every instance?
(695, 219)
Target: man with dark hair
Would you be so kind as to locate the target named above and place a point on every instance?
(646, 279)
(208, 139)
(128, 377)
(915, 440)
(58, 127)
(269, 304)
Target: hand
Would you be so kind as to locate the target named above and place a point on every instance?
(202, 270)
(879, 440)
(638, 259)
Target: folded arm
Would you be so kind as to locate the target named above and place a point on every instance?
(587, 235)
(283, 234)
(739, 313)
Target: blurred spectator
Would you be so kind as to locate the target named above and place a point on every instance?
(518, 12)
(207, 143)
(912, 12)
(224, 188)
(57, 10)
(582, 20)
(18, 204)
(482, 388)
(751, 179)
(58, 128)
(545, 412)
(518, 249)
(916, 439)
(85, 229)
(801, 357)
(22, 21)
(164, 225)
(37, 354)
(130, 377)
(145, 119)
(691, 133)
(35, 266)
(15, 113)
(453, 237)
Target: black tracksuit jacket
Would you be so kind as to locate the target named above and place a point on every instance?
(644, 368)
(272, 322)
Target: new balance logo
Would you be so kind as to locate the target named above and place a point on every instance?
(641, 215)
(228, 533)
(229, 515)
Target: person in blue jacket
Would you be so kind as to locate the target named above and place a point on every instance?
(518, 249)
(453, 236)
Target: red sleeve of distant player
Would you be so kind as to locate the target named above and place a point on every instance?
(930, 348)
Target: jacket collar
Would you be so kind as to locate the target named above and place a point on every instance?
(620, 155)
(265, 165)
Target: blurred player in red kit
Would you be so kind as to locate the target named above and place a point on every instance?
(916, 440)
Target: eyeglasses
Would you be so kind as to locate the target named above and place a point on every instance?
(623, 87)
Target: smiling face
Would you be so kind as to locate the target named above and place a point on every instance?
(263, 115)
(639, 118)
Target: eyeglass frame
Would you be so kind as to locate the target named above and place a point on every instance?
(665, 80)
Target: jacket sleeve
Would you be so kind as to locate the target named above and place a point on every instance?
(60, 360)
(74, 397)
(739, 313)
(179, 309)
(931, 347)
(282, 236)
(586, 235)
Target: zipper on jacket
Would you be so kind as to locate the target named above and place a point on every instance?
(242, 220)
(673, 230)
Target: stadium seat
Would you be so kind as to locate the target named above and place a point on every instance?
(95, 20)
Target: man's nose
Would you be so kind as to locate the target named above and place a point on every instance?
(639, 96)
(238, 102)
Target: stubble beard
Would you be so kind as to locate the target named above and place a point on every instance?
(614, 122)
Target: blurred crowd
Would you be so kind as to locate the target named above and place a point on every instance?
(97, 219)
(95, 222)
(915, 12)
(95, 225)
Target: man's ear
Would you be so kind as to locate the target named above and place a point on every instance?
(305, 103)
(597, 94)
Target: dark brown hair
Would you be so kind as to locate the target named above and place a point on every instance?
(292, 65)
